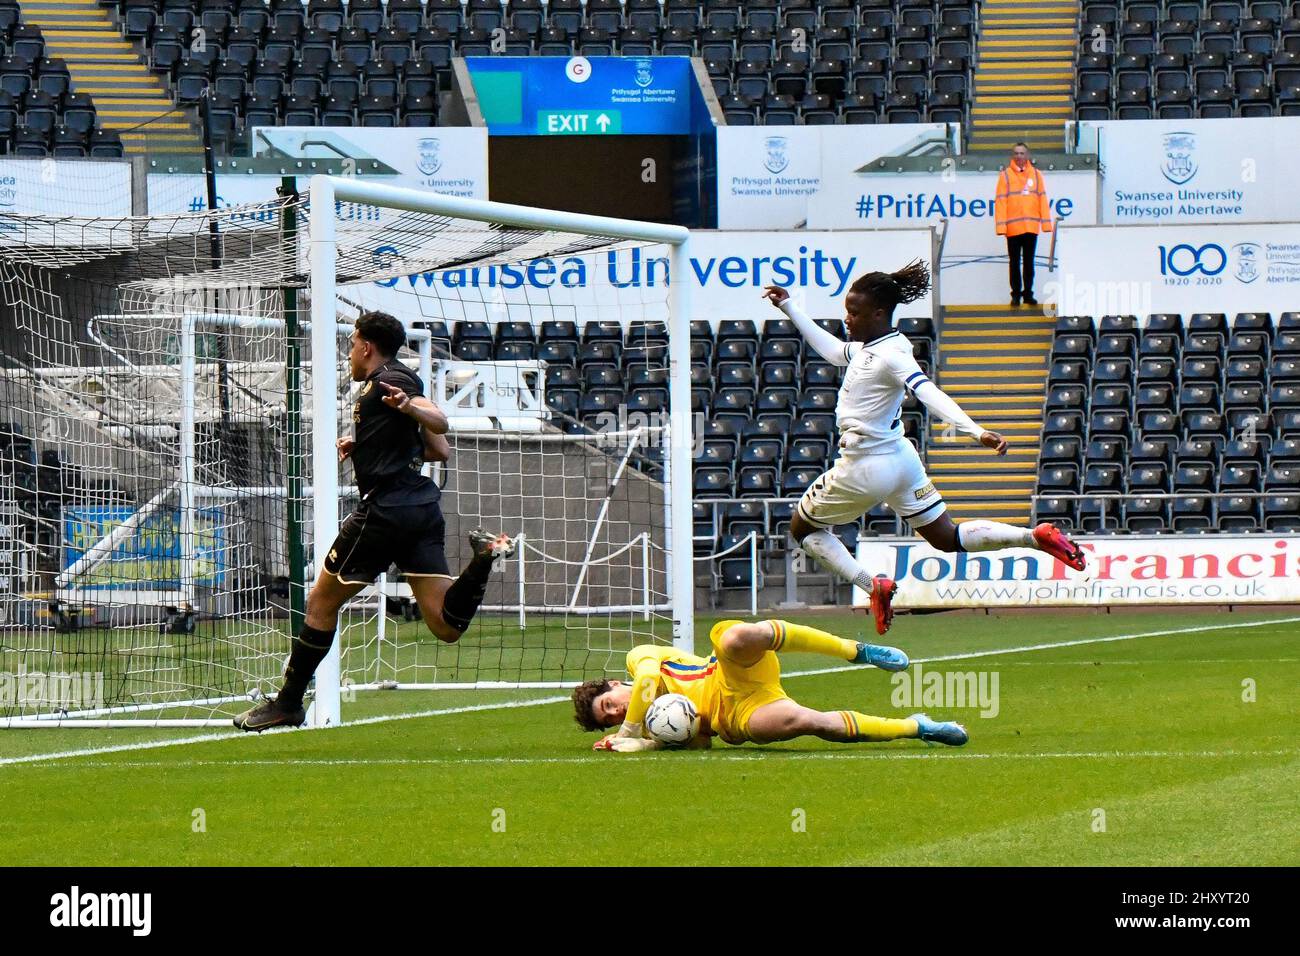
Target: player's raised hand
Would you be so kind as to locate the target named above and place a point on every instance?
(396, 398)
(776, 295)
(995, 441)
(345, 446)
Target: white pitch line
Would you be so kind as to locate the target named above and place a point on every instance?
(750, 755)
(116, 748)
(505, 705)
(1047, 647)
(237, 734)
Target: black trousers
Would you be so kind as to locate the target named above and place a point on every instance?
(1020, 262)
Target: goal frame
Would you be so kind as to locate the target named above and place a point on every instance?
(324, 193)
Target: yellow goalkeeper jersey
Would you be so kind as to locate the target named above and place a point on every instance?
(657, 670)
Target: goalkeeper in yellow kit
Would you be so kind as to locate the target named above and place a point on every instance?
(738, 693)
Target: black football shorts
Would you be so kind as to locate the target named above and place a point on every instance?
(376, 536)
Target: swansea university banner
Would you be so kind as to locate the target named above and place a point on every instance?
(450, 160)
(1122, 570)
(64, 187)
(728, 270)
(1137, 270)
(1187, 171)
(767, 175)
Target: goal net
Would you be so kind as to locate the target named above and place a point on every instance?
(173, 388)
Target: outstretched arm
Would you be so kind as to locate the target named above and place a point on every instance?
(912, 377)
(938, 401)
(828, 346)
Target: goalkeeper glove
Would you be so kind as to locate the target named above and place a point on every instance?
(627, 745)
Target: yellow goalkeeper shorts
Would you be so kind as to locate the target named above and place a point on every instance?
(741, 691)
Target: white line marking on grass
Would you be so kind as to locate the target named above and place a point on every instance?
(116, 748)
(928, 754)
(230, 735)
(1047, 647)
(505, 705)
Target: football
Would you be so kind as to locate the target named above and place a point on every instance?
(672, 720)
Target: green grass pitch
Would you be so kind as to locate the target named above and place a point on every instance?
(1142, 751)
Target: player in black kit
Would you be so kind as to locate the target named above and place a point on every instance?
(395, 428)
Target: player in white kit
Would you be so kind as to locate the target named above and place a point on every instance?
(877, 463)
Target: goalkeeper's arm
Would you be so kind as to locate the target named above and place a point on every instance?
(645, 688)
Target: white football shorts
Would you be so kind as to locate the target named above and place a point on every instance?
(858, 482)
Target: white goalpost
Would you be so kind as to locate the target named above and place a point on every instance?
(170, 484)
(326, 192)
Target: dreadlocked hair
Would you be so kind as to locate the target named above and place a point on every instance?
(888, 289)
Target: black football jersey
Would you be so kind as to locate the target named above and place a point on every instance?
(388, 451)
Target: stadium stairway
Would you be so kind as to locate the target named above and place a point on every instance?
(1023, 85)
(993, 361)
(128, 98)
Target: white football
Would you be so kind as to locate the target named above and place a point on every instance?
(672, 720)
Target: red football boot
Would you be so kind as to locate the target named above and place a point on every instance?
(1049, 538)
(882, 602)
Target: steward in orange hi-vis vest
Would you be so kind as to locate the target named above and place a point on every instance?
(1021, 205)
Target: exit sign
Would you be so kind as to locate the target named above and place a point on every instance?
(589, 96)
(578, 122)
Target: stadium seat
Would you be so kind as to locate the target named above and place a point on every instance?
(1066, 397)
(1237, 515)
(1073, 325)
(1156, 370)
(1148, 476)
(1193, 513)
(1112, 398)
(797, 480)
(1158, 423)
(1146, 515)
(1061, 424)
(1282, 513)
(1239, 477)
(1060, 479)
(1155, 396)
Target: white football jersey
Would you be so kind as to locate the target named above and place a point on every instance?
(876, 382)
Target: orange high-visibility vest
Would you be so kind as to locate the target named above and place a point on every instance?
(1021, 204)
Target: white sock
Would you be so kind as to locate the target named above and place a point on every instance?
(832, 555)
(993, 536)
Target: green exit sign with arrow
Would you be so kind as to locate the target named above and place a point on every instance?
(578, 122)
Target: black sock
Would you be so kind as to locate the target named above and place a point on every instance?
(309, 649)
(466, 593)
